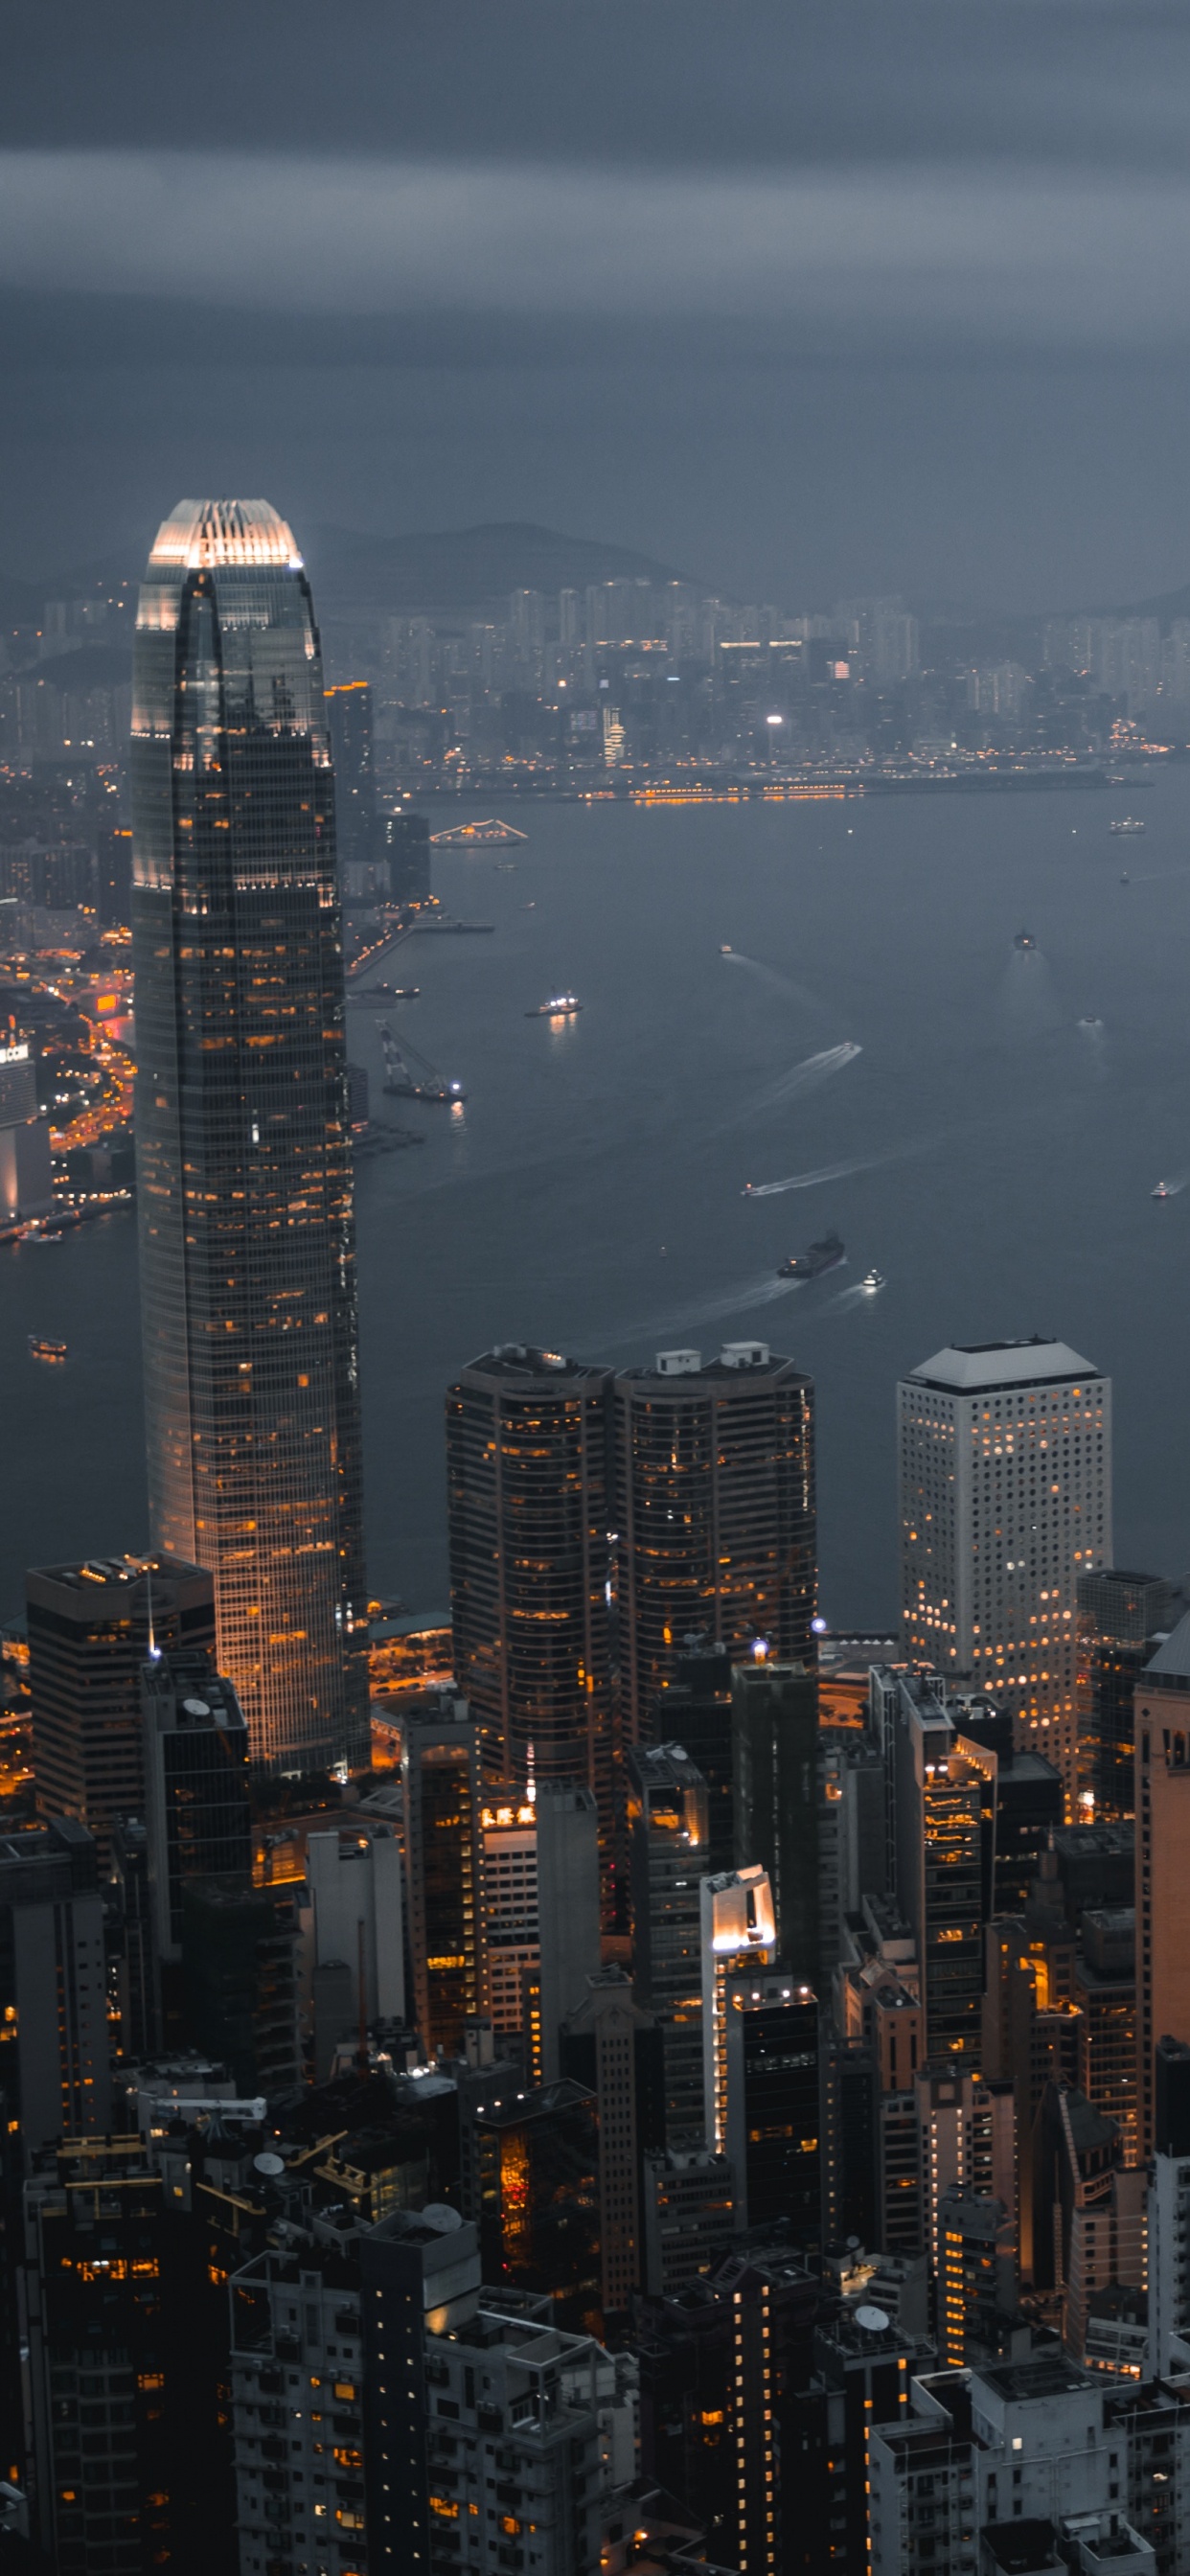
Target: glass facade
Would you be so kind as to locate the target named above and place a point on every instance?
(243, 1142)
(714, 1502)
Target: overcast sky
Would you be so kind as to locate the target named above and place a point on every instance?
(802, 300)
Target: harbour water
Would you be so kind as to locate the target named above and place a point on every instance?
(988, 1148)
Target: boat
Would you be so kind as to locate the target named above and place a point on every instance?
(1126, 824)
(727, 952)
(1024, 939)
(1090, 1022)
(53, 1353)
(1163, 1191)
(872, 1280)
(404, 1083)
(490, 834)
(563, 1007)
(824, 1255)
(1125, 879)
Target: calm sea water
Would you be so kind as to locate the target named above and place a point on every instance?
(991, 1156)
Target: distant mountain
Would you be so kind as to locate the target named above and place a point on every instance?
(455, 568)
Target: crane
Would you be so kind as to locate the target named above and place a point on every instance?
(400, 1078)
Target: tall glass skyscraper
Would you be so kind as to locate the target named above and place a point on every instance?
(243, 1143)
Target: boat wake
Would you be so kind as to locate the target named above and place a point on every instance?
(1173, 1187)
(834, 1171)
(778, 983)
(805, 1076)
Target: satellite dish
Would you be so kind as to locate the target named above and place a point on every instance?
(873, 2320)
(196, 1707)
(270, 2165)
(438, 2214)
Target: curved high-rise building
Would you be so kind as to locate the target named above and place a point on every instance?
(243, 1142)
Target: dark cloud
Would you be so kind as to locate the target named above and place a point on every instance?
(803, 298)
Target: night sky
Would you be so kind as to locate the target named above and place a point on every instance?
(802, 300)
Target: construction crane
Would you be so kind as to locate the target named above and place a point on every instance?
(400, 1078)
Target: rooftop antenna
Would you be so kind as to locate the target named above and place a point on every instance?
(154, 1652)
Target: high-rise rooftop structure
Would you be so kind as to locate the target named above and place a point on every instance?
(775, 1728)
(243, 1146)
(90, 1628)
(1005, 1500)
(715, 1513)
(529, 1516)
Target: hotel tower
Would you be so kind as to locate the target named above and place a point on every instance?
(247, 1253)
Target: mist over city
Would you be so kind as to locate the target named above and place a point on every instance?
(594, 1174)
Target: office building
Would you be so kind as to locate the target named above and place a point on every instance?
(568, 1937)
(614, 2049)
(937, 1805)
(243, 1149)
(714, 1505)
(739, 1932)
(976, 2283)
(667, 1826)
(440, 1779)
(122, 2377)
(1121, 1619)
(966, 2144)
(508, 1881)
(538, 2164)
(774, 2103)
(528, 1515)
(688, 2199)
(403, 845)
(26, 1171)
(196, 1806)
(1162, 1798)
(90, 1629)
(349, 716)
(1004, 1465)
(353, 1874)
(776, 1745)
(696, 1710)
(240, 1994)
(54, 2069)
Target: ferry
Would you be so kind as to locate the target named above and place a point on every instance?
(53, 1353)
(822, 1256)
(1162, 1191)
(563, 1007)
(872, 1280)
(1091, 1023)
(1126, 824)
(491, 834)
(1024, 939)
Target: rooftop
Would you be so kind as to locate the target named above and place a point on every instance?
(1173, 1657)
(200, 535)
(965, 1367)
(523, 1364)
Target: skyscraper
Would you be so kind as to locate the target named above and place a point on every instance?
(1120, 1619)
(90, 1629)
(667, 1835)
(1005, 1500)
(775, 1728)
(349, 713)
(715, 1513)
(528, 1504)
(440, 1779)
(245, 1192)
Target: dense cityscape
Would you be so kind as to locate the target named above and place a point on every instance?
(627, 2077)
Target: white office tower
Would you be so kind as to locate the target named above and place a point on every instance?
(739, 1930)
(1004, 1467)
(357, 1932)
